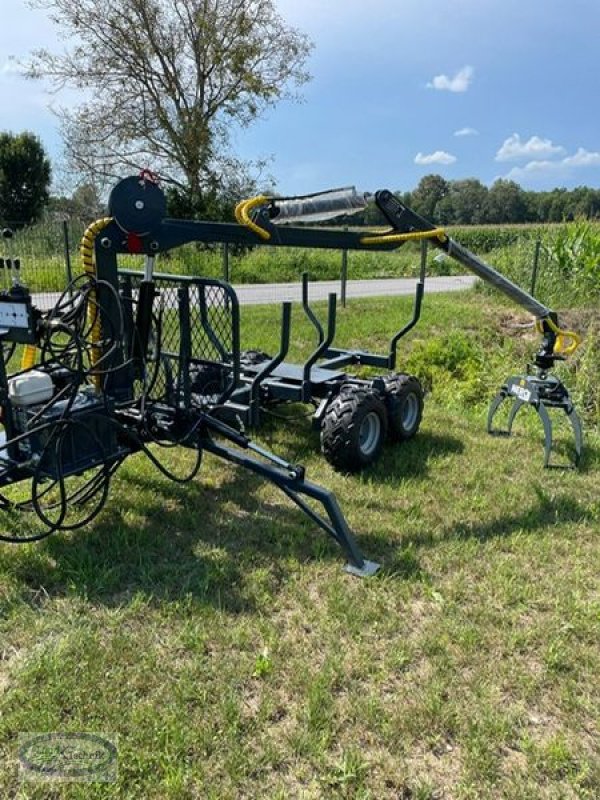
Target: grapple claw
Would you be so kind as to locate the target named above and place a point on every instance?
(543, 414)
(502, 395)
(494, 406)
(578, 432)
(542, 392)
(518, 404)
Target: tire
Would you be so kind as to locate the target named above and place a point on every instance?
(207, 382)
(354, 429)
(404, 401)
(253, 357)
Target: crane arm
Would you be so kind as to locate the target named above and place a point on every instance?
(556, 343)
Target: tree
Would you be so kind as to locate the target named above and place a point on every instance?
(84, 204)
(464, 204)
(428, 194)
(24, 177)
(506, 202)
(168, 82)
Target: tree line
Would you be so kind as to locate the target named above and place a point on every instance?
(470, 202)
(25, 174)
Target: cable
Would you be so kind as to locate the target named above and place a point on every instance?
(75, 345)
(69, 319)
(64, 499)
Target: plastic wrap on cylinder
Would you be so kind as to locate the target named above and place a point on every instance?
(318, 207)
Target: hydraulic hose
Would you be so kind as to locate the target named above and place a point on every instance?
(86, 249)
(242, 215)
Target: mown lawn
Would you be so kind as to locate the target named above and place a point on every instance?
(212, 629)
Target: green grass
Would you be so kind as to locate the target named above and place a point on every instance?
(212, 628)
(43, 272)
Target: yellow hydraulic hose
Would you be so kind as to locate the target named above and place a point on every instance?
(28, 357)
(242, 215)
(566, 341)
(391, 238)
(86, 249)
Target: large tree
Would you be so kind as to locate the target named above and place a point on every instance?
(428, 194)
(506, 202)
(24, 177)
(465, 203)
(84, 203)
(167, 82)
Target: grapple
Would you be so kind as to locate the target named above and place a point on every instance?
(542, 392)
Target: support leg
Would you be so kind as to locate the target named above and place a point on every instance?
(292, 483)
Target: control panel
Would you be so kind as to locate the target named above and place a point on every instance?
(18, 317)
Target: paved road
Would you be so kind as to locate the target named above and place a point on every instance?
(278, 292)
(255, 294)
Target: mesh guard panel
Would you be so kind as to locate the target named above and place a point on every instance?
(194, 352)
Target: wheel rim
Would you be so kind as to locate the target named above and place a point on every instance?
(369, 433)
(410, 411)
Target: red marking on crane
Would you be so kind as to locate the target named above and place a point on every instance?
(134, 243)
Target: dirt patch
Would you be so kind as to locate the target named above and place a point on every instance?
(442, 770)
(520, 324)
(515, 323)
(580, 319)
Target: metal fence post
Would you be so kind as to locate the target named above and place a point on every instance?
(536, 261)
(344, 276)
(225, 254)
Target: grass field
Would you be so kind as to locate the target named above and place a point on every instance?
(212, 629)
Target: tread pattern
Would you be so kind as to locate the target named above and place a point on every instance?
(341, 426)
(398, 387)
(253, 357)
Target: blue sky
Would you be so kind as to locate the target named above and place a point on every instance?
(402, 88)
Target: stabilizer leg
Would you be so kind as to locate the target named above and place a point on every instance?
(338, 529)
(290, 479)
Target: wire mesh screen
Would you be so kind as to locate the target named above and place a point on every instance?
(46, 252)
(194, 345)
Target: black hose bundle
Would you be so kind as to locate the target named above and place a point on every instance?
(68, 337)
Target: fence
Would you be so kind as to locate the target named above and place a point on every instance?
(49, 255)
(46, 251)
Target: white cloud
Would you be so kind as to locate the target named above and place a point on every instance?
(561, 169)
(459, 83)
(533, 169)
(514, 148)
(466, 132)
(439, 157)
(582, 158)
